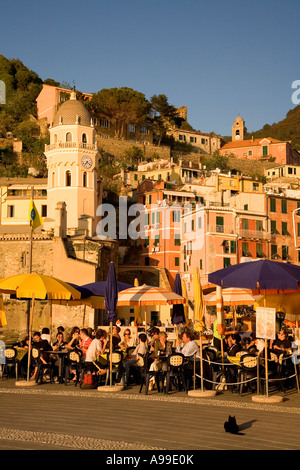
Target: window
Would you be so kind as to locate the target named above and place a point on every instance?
(176, 260)
(68, 137)
(220, 224)
(156, 240)
(53, 179)
(193, 139)
(290, 170)
(259, 250)
(182, 137)
(229, 246)
(200, 264)
(146, 242)
(55, 138)
(131, 128)
(177, 239)
(259, 226)
(245, 224)
(143, 130)
(68, 178)
(250, 153)
(265, 150)
(226, 262)
(135, 177)
(44, 210)
(10, 211)
(84, 138)
(245, 249)
(245, 207)
(273, 226)
(147, 219)
(298, 230)
(273, 251)
(285, 252)
(272, 204)
(84, 179)
(283, 206)
(255, 186)
(176, 216)
(193, 225)
(104, 123)
(284, 229)
(199, 222)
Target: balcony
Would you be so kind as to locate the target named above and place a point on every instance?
(70, 145)
(254, 234)
(229, 230)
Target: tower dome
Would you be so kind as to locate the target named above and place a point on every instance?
(71, 112)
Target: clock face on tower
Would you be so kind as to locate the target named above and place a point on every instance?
(86, 162)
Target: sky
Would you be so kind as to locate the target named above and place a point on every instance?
(219, 58)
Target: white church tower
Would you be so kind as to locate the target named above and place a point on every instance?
(72, 161)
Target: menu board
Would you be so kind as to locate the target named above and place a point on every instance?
(266, 323)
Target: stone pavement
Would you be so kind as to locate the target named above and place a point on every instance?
(52, 417)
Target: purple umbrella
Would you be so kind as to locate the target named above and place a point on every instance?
(98, 288)
(178, 309)
(262, 274)
(111, 293)
(111, 299)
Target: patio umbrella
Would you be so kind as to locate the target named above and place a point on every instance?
(264, 275)
(178, 309)
(148, 295)
(37, 286)
(199, 314)
(98, 288)
(186, 300)
(232, 296)
(111, 298)
(137, 310)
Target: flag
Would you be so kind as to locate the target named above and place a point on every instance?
(34, 217)
(3, 321)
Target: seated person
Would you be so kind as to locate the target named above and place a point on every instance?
(95, 349)
(59, 344)
(75, 338)
(163, 348)
(282, 343)
(234, 344)
(128, 341)
(85, 341)
(187, 346)
(133, 359)
(43, 345)
(116, 338)
(46, 335)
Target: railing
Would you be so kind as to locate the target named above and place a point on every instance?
(259, 234)
(81, 145)
(221, 229)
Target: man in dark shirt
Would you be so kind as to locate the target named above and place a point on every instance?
(282, 342)
(42, 345)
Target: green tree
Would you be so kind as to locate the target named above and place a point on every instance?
(163, 113)
(122, 106)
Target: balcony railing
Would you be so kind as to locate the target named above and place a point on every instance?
(258, 234)
(229, 230)
(71, 145)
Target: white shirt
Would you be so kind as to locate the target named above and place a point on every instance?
(93, 348)
(189, 349)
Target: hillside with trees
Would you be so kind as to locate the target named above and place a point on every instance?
(287, 129)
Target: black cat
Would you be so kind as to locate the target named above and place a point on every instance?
(231, 425)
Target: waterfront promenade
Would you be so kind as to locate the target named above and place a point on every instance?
(58, 417)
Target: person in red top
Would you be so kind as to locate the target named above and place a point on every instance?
(85, 341)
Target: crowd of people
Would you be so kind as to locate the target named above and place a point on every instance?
(94, 345)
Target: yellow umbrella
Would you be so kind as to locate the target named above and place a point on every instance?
(198, 313)
(198, 301)
(186, 304)
(3, 320)
(41, 286)
(37, 286)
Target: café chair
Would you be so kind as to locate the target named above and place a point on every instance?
(73, 363)
(41, 367)
(11, 362)
(117, 366)
(175, 371)
(147, 374)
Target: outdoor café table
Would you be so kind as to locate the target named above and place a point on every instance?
(60, 356)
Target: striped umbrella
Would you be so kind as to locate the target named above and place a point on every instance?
(232, 296)
(148, 295)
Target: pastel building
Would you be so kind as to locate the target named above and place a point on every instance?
(259, 149)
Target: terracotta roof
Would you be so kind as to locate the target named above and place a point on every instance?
(250, 143)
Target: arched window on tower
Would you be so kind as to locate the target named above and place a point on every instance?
(84, 179)
(68, 178)
(55, 138)
(68, 137)
(84, 139)
(53, 179)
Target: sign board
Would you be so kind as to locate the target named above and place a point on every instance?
(266, 323)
